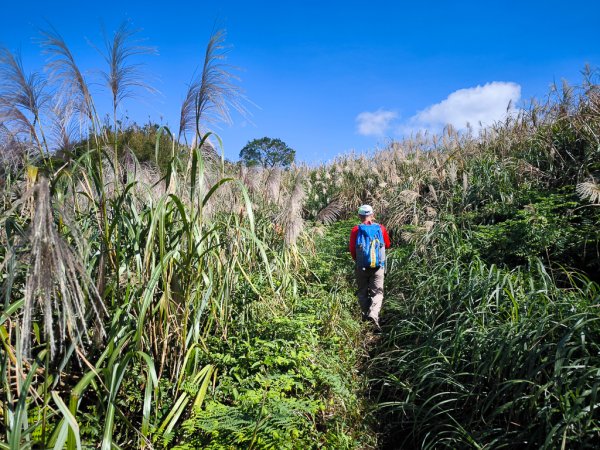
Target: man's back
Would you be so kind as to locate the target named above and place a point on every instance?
(368, 241)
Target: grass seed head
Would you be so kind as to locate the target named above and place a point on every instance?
(590, 191)
(57, 283)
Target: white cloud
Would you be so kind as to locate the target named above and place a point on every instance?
(375, 123)
(479, 106)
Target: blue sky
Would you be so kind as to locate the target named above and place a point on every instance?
(329, 77)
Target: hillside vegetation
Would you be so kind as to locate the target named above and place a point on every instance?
(155, 295)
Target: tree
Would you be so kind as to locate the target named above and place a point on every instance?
(267, 152)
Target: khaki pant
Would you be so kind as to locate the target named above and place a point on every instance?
(370, 292)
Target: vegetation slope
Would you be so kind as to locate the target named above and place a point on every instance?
(187, 302)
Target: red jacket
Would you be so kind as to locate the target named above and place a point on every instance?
(354, 234)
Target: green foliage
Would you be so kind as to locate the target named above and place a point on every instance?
(478, 356)
(283, 382)
(267, 152)
(142, 142)
(491, 335)
(553, 227)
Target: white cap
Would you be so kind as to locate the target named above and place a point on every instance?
(365, 210)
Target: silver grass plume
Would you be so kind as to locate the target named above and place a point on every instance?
(433, 193)
(63, 128)
(465, 183)
(273, 185)
(26, 92)
(13, 152)
(330, 212)
(57, 282)
(243, 172)
(252, 179)
(213, 91)
(63, 70)
(408, 237)
(589, 190)
(122, 76)
(430, 212)
(14, 120)
(394, 179)
(452, 172)
(22, 97)
(290, 218)
(408, 196)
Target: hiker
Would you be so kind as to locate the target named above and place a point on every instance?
(368, 242)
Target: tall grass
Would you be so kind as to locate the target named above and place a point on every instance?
(490, 328)
(491, 323)
(165, 281)
(479, 356)
(123, 282)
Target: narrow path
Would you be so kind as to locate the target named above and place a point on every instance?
(335, 271)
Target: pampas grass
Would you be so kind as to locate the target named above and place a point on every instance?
(73, 89)
(122, 76)
(273, 185)
(58, 284)
(330, 212)
(590, 191)
(212, 93)
(23, 99)
(290, 217)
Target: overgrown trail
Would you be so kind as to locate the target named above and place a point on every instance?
(294, 379)
(334, 267)
(155, 295)
(334, 270)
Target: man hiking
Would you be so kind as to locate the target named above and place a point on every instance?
(368, 242)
